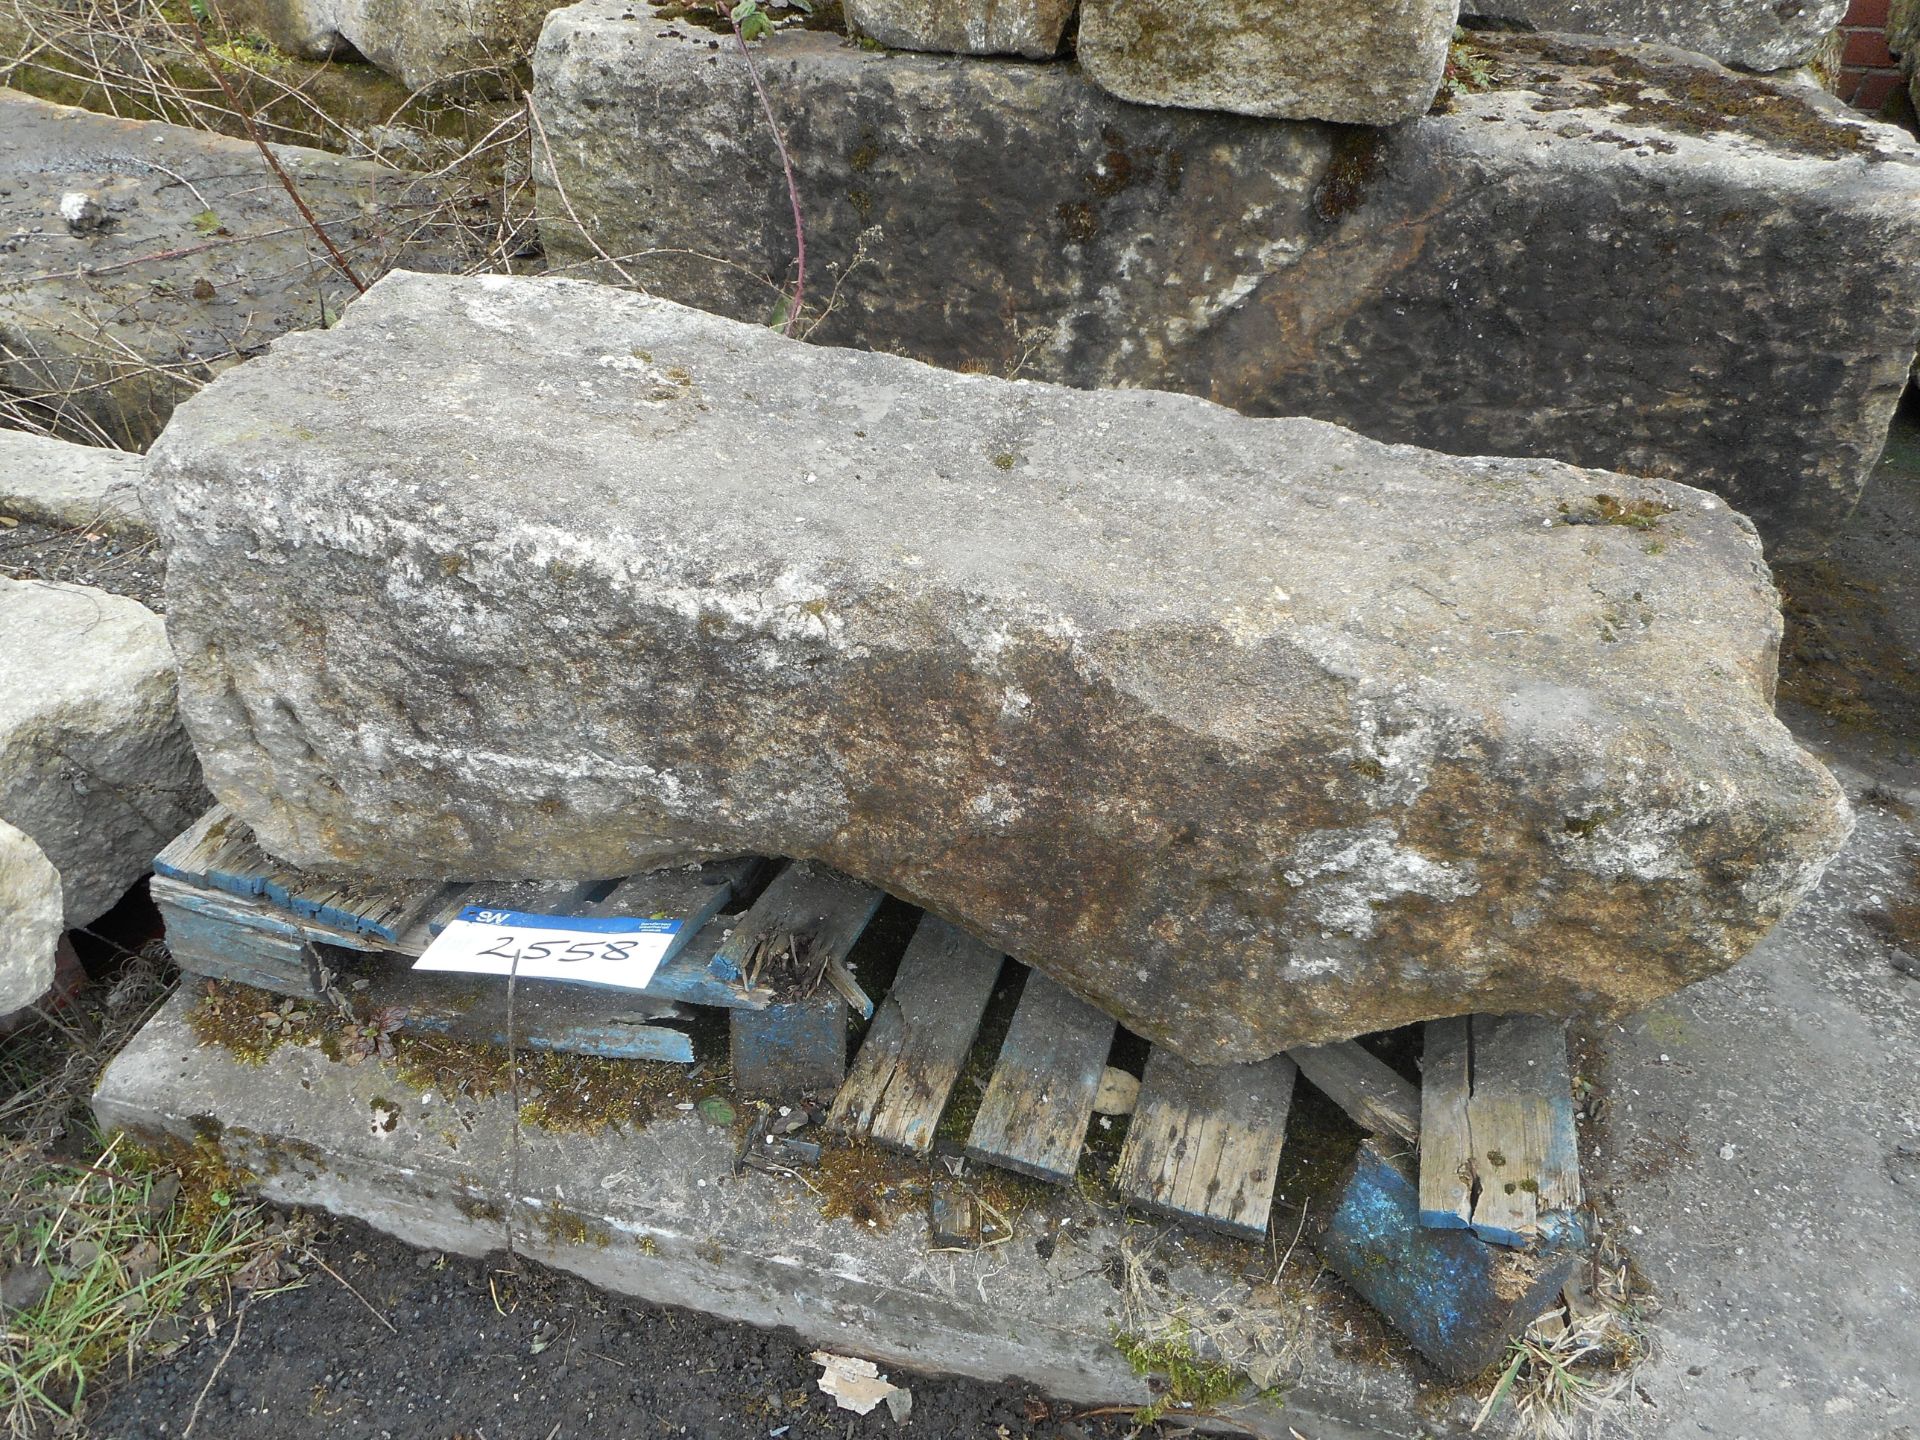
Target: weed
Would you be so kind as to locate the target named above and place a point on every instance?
(1181, 1377)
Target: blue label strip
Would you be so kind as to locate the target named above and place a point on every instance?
(589, 924)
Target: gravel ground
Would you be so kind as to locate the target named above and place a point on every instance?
(494, 1350)
(124, 565)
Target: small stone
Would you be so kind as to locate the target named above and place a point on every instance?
(1905, 963)
(1726, 1152)
(1118, 1094)
(1033, 28)
(83, 213)
(1371, 64)
(24, 1286)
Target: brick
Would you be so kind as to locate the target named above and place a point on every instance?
(1868, 14)
(1874, 90)
(1869, 48)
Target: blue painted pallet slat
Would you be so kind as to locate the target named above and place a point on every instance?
(1459, 1299)
(219, 852)
(799, 1046)
(789, 1049)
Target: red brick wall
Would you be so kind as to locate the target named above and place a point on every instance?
(1868, 71)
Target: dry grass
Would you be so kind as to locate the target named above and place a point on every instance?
(1572, 1373)
(126, 1254)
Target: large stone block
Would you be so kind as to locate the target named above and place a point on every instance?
(1253, 732)
(1619, 257)
(1753, 34)
(77, 486)
(94, 766)
(183, 255)
(31, 920)
(1034, 28)
(1375, 63)
(423, 42)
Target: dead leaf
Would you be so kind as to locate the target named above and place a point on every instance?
(858, 1385)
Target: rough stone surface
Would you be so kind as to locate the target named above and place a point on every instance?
(31, 920)
(93, 763)
(1371, 64)
(1722, 287)
(1251, 732)
(59, 483)
(1034, 28)
(1753, 34)
(423, 42)
(1903, 38)
(101, 334)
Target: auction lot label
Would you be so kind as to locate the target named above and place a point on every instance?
(611, 950)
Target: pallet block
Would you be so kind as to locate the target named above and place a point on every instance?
(1458, 1299)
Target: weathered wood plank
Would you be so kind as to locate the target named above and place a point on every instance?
(218, 851)
(220, 946)
(1205, 1141)
(1457, 1298)
(223, 937)
(1520, 1113)
(1446, 1138)
(795, 1043)
(918, 1042)
(1033, 1118)
(1371, 1092)
(547, 1014)
(815, 904)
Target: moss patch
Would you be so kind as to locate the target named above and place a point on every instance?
(1686, 99)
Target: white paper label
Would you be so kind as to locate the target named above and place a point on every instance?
(613, 950)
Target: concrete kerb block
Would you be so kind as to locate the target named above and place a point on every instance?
(656, 1212)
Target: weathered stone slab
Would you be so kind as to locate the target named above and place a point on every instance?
(93, 763)
(1371, 64)
(187, 256)
(1034, 28)
(1254, 733)
(31, 920)
(1621, 257)
(423, 42)
(59, 483)
(1753, 34)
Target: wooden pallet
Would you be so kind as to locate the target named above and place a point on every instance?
(234, 914)
(1492, 1126)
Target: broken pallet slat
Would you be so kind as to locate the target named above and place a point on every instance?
(1205, 1141)
(1371, 1091)
(797, 1045)
(1446, 1138)
(219, 852)
(828, 908)
(1457, 1298)
(918, 1043)
(547, 1014)
(1033, 1118)
(1526, 1156)
(223, 937)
